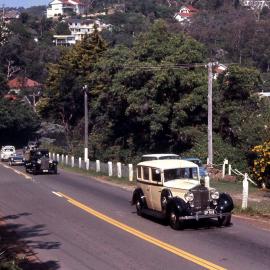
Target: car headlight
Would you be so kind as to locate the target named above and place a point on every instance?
(189, 196)
(214, 194)
(38, 161)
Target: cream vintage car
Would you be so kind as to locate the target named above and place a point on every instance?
(172, 189)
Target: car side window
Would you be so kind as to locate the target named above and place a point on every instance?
(145, 173)
(139, 172)
(156, 175)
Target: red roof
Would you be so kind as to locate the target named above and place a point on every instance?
(20, 82)
(10, 97)
(192, 9)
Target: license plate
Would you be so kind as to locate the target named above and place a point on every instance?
(209, 212)
(45, 170)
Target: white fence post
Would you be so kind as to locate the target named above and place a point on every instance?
(66, 159)
(62, 158)
(245, 192)
(72, 161)
(230, 169)
(97, 166)
(119, 170)
(87, 164)
(224, 167)
(53, 156)
(130, 172)
(50, 155)
(57, 157)
(207, 181)
(80, 162)
(110, 168)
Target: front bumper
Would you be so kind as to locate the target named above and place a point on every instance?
(199, 216)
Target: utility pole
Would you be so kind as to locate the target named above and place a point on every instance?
(210, 114)
(85, 88)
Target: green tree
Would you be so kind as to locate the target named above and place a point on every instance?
(141, 102)
(64, 100)
(18, 122)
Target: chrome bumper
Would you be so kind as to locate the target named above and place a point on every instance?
(202, 216)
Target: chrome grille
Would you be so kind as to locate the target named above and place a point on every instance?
(201, 198)
(44, 163)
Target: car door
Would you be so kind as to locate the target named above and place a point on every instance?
(156, 188)
(146, 187)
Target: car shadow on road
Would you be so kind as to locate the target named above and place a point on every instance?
(17, 243)
(189, 225)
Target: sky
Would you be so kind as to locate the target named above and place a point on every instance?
(23, 3)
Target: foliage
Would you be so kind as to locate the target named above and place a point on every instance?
(62, 29)
(261, 163)
(143, 108)
(17, 122)
(64, 100)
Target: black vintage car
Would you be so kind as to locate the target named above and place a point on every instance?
(38, 161)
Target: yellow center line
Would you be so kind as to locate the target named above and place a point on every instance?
(163, 245)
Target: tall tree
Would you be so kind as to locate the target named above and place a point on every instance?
(64, 101)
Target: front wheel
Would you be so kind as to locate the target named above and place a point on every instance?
(225, 221)
(174, 220)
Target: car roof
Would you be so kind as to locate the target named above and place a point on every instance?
(160, 155)
(166, 164)
(8, 146)
(191, 158)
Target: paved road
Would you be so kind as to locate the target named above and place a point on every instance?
(74, 222)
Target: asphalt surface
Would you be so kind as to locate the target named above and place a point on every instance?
(73, 222)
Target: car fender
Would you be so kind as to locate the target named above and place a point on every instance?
(178, 205)
(137, 193)
(225, 203)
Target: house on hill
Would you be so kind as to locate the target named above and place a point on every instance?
(10, 15)
(185, 13)
(25, 88)
(79, 28)
(65, 7)
(20, 83)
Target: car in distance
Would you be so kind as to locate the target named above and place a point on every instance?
(202, 170)
(38, 161)
(172, 190)
(6, 152)
(16, 160)
(159, 156)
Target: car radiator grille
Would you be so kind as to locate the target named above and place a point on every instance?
(44, 163)
(201, 198)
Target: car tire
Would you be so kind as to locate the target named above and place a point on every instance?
(139, 206)
(224, 221)
(174, 221)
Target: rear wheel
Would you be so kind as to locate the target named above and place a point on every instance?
(225, 221)
(139, 206)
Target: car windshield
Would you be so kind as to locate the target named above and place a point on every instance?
(196, 161)
(180, 173)
(40, 154)
(9, 150)
(169, 157)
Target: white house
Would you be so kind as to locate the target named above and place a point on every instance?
(64, 7)
(256, 4)
(79, 28)
(185, 13)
